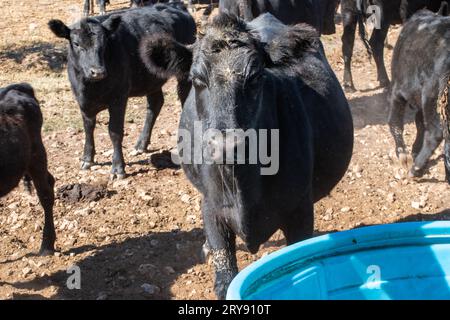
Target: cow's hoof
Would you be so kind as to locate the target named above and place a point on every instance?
(86, 165)
(45, 252)
(137, 152)
(205, 252)
(385, 83)
(403, 159)
(415, 172)
(117, 176)
(349, 88)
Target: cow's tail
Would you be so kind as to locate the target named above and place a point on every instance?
(361, 16)
(27, 184)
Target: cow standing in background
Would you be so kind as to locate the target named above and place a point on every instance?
(258, 76)
(319, 14)
(88, 7)
(22, 153)
(421, 80)
(385, 13)
(105, 69)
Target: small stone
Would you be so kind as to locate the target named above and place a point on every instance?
(146, 269)
(150, 289)
(57, 254)
(415, 205)
(185, 198)
(390, 197)
(26, 271)
(169, 270)
(345, 209)
(102, 296)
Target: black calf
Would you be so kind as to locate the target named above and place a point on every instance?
(421, 80)
(22, 153)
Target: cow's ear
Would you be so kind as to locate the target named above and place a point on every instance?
(59, 29)
(112, 23)
(443, 10)
(293, 44)
(165, 57)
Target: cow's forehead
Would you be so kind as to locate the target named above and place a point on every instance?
(87, 27)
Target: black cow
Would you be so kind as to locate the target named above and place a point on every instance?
(389, 12)
(319, 14)
(421, 80)
(105, 70)
(22, 152)
(89, 5)
(260, 75)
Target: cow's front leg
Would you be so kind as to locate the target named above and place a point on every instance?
(89, 123)
(222, 243)
(116, 131)
(86, 7)
(102, 7)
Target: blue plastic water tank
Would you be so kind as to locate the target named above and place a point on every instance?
(397, 261)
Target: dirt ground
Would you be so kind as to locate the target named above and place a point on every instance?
(147, 229)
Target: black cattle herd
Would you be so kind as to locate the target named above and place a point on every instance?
(258, 65)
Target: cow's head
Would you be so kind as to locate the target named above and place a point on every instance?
(229, 66)
(88, 40)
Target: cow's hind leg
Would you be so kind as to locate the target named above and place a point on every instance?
(222, 242)
(377, 44)
(348, 41)
(396, 126)
(44, 184)
(432, 136)
(155, 102)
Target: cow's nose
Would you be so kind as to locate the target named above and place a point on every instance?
(97, 73)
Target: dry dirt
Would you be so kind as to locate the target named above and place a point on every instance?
(147, 229)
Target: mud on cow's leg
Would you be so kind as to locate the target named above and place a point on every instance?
(222, 242)
(396, 126)
(155, 102)
(89, 123)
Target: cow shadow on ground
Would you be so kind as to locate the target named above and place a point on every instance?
(373, 109)
(37, 54)
(117, 270)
